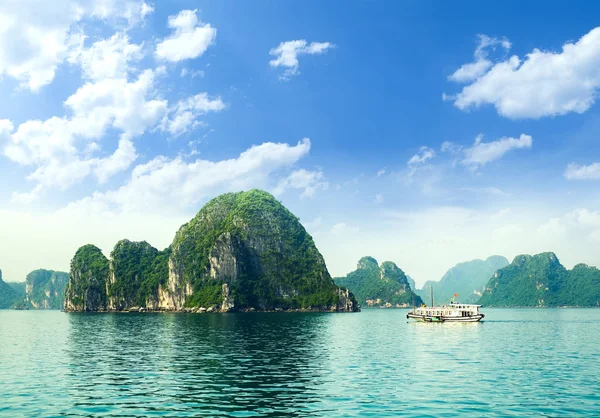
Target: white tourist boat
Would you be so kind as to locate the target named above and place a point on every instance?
(453, 312)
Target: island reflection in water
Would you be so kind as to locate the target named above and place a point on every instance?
(519, 362)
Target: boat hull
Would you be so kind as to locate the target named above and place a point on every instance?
(428, 318)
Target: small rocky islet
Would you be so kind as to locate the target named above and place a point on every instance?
(242, 252)
(376, 286)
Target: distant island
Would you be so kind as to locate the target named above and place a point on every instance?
(242, 252)
(375, 286)
(42, 289)
(529, 281)
(542, 281)
(466, 279)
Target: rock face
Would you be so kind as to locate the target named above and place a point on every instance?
(384, 286)
(467, 279)
(136, 271)
(88, 280)
(44, 289)
(243, 251)
(542, 281)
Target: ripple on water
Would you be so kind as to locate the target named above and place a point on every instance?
(518, 363)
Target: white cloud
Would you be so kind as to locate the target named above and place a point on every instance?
(583, 172)
(580, 225)
(381, 172)
(474, 70)
(184, 115)
(378, 198)
(451, 147)
(545, 83)
(425, 154)
(119, 161)
(65, 150)
(287, 54)
(173, 184)
(190, 39)
(36, 37)
(308, 181)
(481, 153)
(107, 58)
(192, 73)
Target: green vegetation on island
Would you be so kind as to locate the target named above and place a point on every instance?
(542, 281)
(466, 279)
(9, 294)
(88, 278)
(44, 289)
(242, 251)
(379, 286)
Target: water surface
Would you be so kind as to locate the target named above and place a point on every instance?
(521, 362)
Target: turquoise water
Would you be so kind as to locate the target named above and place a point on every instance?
(518, 362)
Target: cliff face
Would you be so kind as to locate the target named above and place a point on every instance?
(384, 286)
(44, 289)
(542, 281)
(136, 271)
(243, 251)
(88, 279)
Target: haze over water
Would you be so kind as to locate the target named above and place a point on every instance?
(519, 362)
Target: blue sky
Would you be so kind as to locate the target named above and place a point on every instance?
(424, 133)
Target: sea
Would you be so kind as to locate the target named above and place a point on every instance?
(517, 362)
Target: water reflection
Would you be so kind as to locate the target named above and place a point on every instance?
(516, 363)
(211, 364)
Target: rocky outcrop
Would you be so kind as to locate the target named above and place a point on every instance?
(384, 286)
(243, 251)
(44, 289)
(88, 279)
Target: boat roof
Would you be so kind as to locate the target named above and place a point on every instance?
(454, 304)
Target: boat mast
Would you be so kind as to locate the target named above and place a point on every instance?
(431, 291)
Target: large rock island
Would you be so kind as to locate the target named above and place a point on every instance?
(542, 281)
(243, 251)
(384, 286)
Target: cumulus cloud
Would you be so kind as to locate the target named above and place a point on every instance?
(107, 58)
(481, 153)
(481, 64)
(287, 54)
(582, 172)
(117, 97)
(544, 83)
(190, 39)
(308, 181)
(36, 37)
(184, 115)
(173, 184)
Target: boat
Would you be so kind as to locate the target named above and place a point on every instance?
(453, 312)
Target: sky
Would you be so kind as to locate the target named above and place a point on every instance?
(424, 133)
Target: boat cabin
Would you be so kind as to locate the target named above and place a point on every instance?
(451, 310)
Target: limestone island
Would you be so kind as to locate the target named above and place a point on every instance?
(242, 252)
